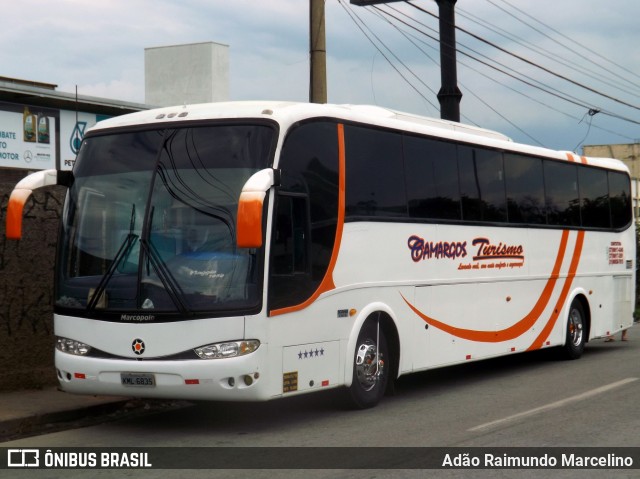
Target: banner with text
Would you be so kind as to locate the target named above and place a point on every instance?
(38, 138)
(27, 137)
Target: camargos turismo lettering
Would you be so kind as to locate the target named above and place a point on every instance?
(421, 249)
(486, 250)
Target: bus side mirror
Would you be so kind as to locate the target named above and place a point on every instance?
(22, 192)
(249, 220)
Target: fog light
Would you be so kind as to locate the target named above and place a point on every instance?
(248, 380)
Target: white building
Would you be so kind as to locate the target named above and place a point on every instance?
(42, 128)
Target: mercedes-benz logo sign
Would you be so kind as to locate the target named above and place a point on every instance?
(28, 156)
(138, 346)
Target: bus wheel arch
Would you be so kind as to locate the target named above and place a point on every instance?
(393, 343)
(369, 382)
(587, 315)
(577, 327)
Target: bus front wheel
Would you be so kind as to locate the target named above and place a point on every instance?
(370, 366)
(575, 339)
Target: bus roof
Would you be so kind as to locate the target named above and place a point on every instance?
(286, 110)
(287, 113)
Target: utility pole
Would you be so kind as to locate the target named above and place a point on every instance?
(318, 53)
(449, 95)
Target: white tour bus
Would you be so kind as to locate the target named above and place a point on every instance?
(248, 251)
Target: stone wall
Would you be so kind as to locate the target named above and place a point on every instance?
(26, 288)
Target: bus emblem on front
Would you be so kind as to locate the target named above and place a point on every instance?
(138, 346)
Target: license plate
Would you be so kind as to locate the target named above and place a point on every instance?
(140, 380)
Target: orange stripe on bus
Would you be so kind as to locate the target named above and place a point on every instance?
(575, 260)
(327, 283)
(518, 328)
(572, 158)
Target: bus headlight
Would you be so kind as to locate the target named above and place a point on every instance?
(229, 349)
(71, 346)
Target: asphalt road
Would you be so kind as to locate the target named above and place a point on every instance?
(525, 400)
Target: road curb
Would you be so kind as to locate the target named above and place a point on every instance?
(52, 421)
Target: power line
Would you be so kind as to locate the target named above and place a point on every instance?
(532, 63)
(352, 15)
(381, 12)
(527, 81)
(530, 82)
(602, 57)
(553, 56)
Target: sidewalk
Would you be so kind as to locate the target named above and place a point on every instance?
(31, 411)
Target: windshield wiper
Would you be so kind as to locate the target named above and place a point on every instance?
(170, 284)
(123, 252)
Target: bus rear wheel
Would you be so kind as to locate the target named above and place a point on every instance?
(575, 339)
(370, 366)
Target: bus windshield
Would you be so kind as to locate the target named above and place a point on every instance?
(149, 223)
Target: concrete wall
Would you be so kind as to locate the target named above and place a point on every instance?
(185, 74)
(26, 288)
(629, 153)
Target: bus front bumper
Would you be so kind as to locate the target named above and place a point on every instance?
(229, 379)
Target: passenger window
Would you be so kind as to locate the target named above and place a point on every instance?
(562, 200)
(375, 173)
(620, 199)
(432, 178)
(594, 198)
(482, 188)
(525, 189)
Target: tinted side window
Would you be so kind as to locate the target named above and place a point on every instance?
(562, 200)
(289, 249)
(432, 178)
(306, 213)
(482, 188)
(594, 197)
(469, 185)
(525, 189)
(375, 173)
(620, 199)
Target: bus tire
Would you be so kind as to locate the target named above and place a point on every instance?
(370, 367)
(575, 334)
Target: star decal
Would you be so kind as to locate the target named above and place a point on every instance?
(311, 353)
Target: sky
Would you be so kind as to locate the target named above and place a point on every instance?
(586, 93)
